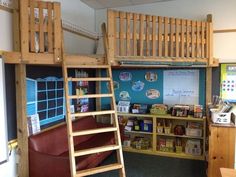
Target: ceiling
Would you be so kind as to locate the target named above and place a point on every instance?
(101, 4)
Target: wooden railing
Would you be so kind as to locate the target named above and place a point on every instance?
(41, 31)
(140, 36)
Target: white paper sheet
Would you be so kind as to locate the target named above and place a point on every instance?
(181, 87)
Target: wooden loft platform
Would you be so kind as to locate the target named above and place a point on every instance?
(48, 59)
(42, 44)
(145, 40)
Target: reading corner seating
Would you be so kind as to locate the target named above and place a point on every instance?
(48, 151)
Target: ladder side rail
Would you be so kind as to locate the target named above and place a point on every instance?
(68, 116)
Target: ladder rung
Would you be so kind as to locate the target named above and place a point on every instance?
(89, 79)
(88, 66)
(94, 131)
(90, 96)
(81, 114)
(96, 150)
(100, 169)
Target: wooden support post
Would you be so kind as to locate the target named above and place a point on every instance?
(193, 39)
(41, 31)
(188, 38)
(153, 36)
(24, 27)
(209, 69)
(50, 37)
(177, 37)
(160, 36)
(32, 26)
(16, 26)
(203, 39)
(22, 133)
(141, 33)
(148, 20)
(210, 40)
(166, 31)
(111, 35)
(183, 24)
(20, 74)
(135, 34)
(57, 32)
(128, 34)
(172, 30)
(122, 46)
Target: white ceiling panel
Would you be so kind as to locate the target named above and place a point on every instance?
(101, 4)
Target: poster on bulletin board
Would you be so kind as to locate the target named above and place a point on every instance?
(181, 87)
(228, 82)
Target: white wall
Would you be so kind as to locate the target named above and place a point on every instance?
(7, 169)
(6, 39)
(223, 12)
(80, 14)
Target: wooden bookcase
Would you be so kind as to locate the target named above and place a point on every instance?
(154, 136)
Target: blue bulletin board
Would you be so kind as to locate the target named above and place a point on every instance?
(125, 85)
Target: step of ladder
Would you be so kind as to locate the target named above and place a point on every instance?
(100, 169)
(89, 79)
(96, 150)
(94, 131)
(94, 113)
(89, 66)
(89, 96)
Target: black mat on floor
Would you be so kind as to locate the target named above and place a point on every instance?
(140, 165)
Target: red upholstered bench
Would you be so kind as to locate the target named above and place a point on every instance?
(48, 151)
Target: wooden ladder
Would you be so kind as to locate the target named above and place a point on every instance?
(112, 112)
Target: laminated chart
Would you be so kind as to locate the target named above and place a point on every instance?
(228, 82)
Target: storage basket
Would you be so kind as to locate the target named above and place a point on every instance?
(157, 111)
(220, 118)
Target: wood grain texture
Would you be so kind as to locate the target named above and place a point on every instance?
(154, 35)
(160, 36)
(24, 26)
(22, 131)
(128, 47)
(221, 149)
(57, 32)
(135, 34)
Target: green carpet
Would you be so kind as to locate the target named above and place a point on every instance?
(140, 165)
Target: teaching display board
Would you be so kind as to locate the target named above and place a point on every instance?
(181, 87)
(3, 116)
(148, 86)
(228, 82)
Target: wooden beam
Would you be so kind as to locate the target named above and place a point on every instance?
(208, 87)
(225, 31)
(24, 26)
(111, 34)
(57, 32)
(22, 133)
(210, 38)
(7, 9)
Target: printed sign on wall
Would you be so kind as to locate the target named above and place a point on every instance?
(228, 82)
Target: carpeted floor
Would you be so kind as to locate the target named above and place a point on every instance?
(140, 165)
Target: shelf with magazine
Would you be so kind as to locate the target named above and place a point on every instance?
(171, 136)
(82, 88)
